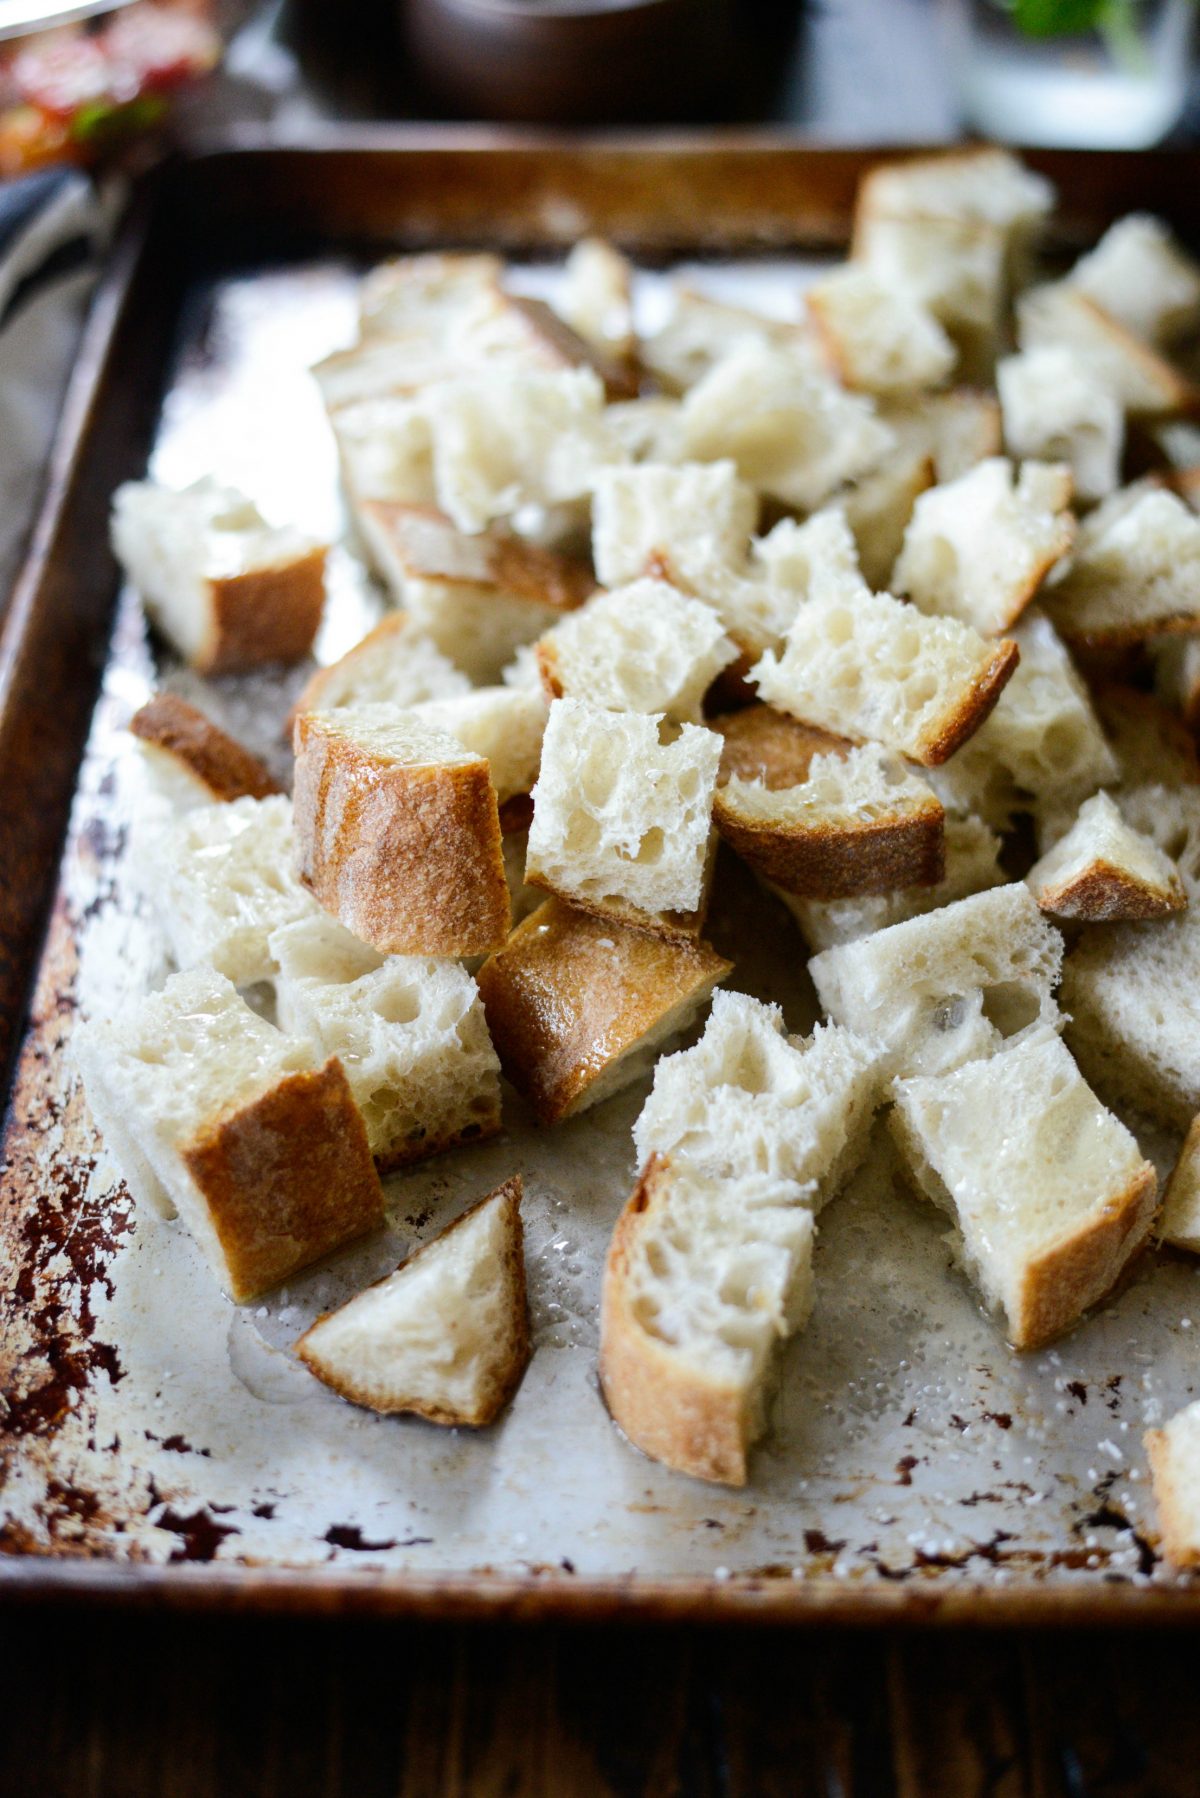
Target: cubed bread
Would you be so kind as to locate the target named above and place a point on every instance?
(701, 331)
(878, 507)
(863, 664)
(644, 428)
(546, 340)
(385, 451)
(427, 293)
(220, 879)
(1174, 1453)
(245, 1133)
(191, 760)
(622, 815)
(505, 725)
(790, 562)
(579, 1007)
(957, 429)
(1049, 1192)
(791, 431)
(978, 548)
(477, 598)
(953, 268)
(446, 1336)
(875, 337)
(409, 1031)
(1180, 1223)
(398, 832)
(1102, 871)
(705, 1277)
(748, 1098)
(225, 588)
(1133, 577)
(596, 296)
(645, 647)
(397, 663)
(1146, 385)
(1055, 409)
(979, 183)
(697, 517)
(949, 986)
(821, 817)
(392, 366)
(1142, 277)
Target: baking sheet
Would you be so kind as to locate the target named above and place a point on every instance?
(154, 1422)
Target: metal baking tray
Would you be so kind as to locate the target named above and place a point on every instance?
(159, 1444)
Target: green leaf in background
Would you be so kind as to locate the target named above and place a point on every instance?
(1058, 18)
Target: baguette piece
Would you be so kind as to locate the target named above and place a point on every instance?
(477, 598)
(396, 663)
(240, 1130)
(979, 547)
(1180, 1223)
(1174, 1453)
(596, 297)
(875, 338)
(385, 451)
(748, 1098)
(1102, 871)
(697, 517)
(619, 814)
(1057, 411)
(641, 648)
(1048, 1213)
(409, 1031)
(427, 293)
(552, 343)
(191, 760)
(226, 589)
(505, 725)
(1143, 381)
(957, 429)
(953, 268)
(1142, 277)
(878, 508)
(579, 1007)
(980, 184)
(1135, 574)
(702, 331)
(220, 880)
(398, 832)
(446, 1336)
(861, 662)
(704, 1279)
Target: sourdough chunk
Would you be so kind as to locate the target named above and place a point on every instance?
(1103, 871)
(409, 1031)
(749, 1098)
(697, 518)
(956, 429)
(1049, 1192)
(878, 508)
(226, 589)
(1056, 410)
(220, 880)
(620, 814)
(702, 331)
(875, 338)
(596, 298)
(398, 832)
(704, 1280)
(579, 1007)
(192, 761)
(1133, 576)
(385, 451)
(981, 184)
(978, 548)
(394, 664)
(1142, 278)
(1145, 384)
(641, 648)
(1181, 1203)
(1175, 1469)
(429, 293)
(447, 1335)
(950, 986)
(952, 268)
(505, 725)
(220, 1118)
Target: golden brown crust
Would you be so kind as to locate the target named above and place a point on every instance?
(1175, 392)
(395, 624)
(570, 995)
(565, 348)
(265, 615)
(666, 1409)
(1093, 640)
(840, 861)
(762, 743)
(1179, 1542)
(666, 926)
(481, 1130)
(1074, 1274)
(408, 858)
(937, 747)
(218, 761)
(286, 1178)
(491, 560)
(1102, 893)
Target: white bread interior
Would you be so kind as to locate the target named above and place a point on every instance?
(1135, 571)
(1180, 1224)
(696, 516)
(1174, 1453)
(596, 296)
(877, 339)
(1142, 277)
(505, 725)
(644, 647)
(1057, 410)
(1104, 871)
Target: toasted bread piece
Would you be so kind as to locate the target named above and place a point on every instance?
(1050, 1193)
(1142, 277)
(447, 1335)
(596, 297)
(979, 184)
(398, 832)
(704, 1278)
(227, 590)
(1145, 383)
(385, 451)
(409, 1031)
(953, 268)
(1102, 871)
(1174, 1453)
(697, 517)
(1180, 1223)
(505, 725)
(579, 1007)
(641, 648)
(956, 429)
(1057, 411)
(192, 760)
(878, 508)
(749, 1098)
(555, 344)
(702, 331)
(875, 338)
(619, 814)
(1133, 578)
(428, 292)
(241, 1130)
(396, 663)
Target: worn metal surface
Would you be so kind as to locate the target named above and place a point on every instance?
(150, 1421)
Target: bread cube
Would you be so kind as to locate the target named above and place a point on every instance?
(1141, 277)
(622, 815)
(1180, 1224)
(696, 517)
(446, 1336)
(579, 1007)
(878, 507)
(1146, 385)
(748, 1098)
(398, 832)
(226, 589)
(385, 451)
(427, 293)
(218, 1117)
(979, 547)
(1103, 871)
(704, 1279)
(1050, 1193)
(551, 343)
(980, 184)
(644, 428)
(394, 664)
(957, 429)
(505, 725)
(191, 760)
(875, 338)
(220, 879)
(701, 331)
(1133, 577)
(1175, 1469)
(596, 297)
(641, 648)
(1056, 410)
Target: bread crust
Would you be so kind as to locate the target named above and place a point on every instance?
(938, 744)
(408, 858)
(1102, 893)
(570, 996)
(507, 1379)
(666, 1409)
(511, 565)
(1179, 1543)
(567, 349)
(395, 624)
(668, 926)
(264, 615)
(202, 748)
(1075, 1273)
(286, 1178)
